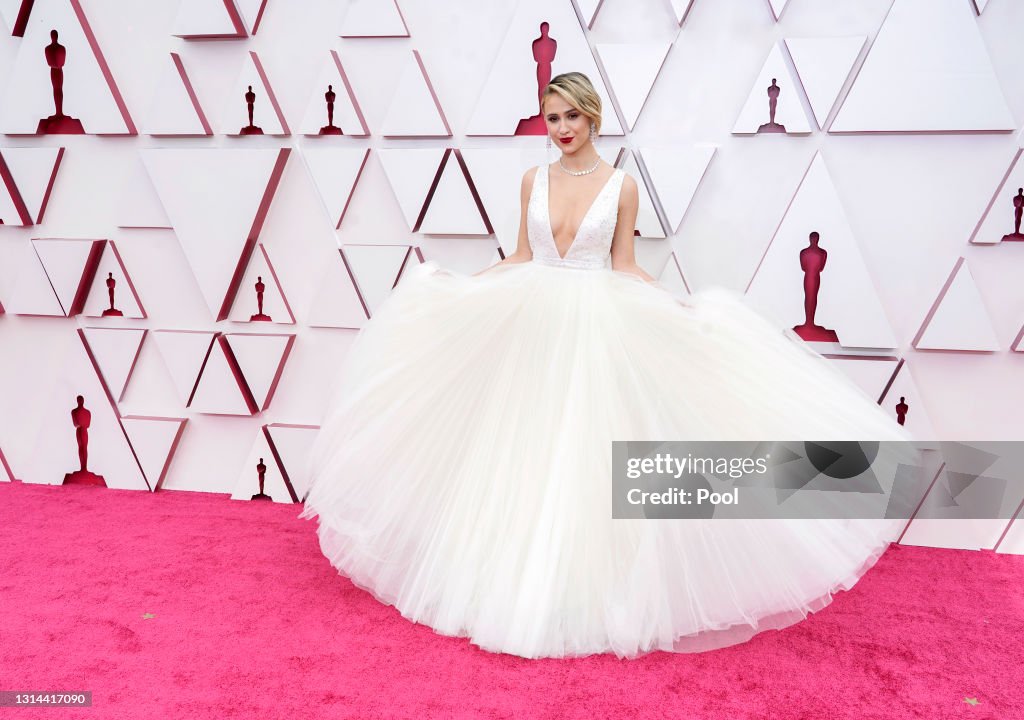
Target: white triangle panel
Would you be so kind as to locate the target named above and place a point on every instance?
(671, 279)
(498, 176)
(266, 115)
(115, 351)
(261, 358)
(916, 419)
(777, 6)
(208, 19)
(140, 206)
(373, 18)
(15, 14)
(348, 116)
(847, 300)
(184, 353)
(336, 302)
(126, 299)
(335, 172)
(248, 483)
(676, 173)
(252, 13)
(411, 172)
(823, 65)
(221, 389)
(789, 110)
(275, 303)
(632, 69)
(154, 440)
(90, 93)
(415, 110)
(70, 265)
(292, 444)
(175, 108)
(999, 222)
(33, 171)
(958, 319)
(870, 374)
(56, 447)
(927, 70)
(13, 212)
(34, 294)
(647, 222)
(376, 269)
(217, 200)
(680, 9)
(451, 209)
(588, 11)
(511, 92)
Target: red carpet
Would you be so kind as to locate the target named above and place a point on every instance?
(250, 621)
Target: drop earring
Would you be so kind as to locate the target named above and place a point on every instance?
(593, 131)
(548, 142)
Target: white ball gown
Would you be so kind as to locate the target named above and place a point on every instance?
(462, 472)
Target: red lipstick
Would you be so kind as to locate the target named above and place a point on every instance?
(565, 141)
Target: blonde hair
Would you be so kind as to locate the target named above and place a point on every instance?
(576, 89)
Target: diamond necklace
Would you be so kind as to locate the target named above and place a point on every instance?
(579, 172)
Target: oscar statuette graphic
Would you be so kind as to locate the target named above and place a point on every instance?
(261, 471)
(544, 48)
(330, 129)
(1018, 210)
(250, 101)
(812, 262)
(111, 311)
(260, 287)
(58, 123)
(82, 418)
(773, 100)
(901, 410)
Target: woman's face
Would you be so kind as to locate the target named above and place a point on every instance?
(568, 128)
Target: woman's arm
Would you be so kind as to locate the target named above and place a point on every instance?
(623, 258)
(523, 251)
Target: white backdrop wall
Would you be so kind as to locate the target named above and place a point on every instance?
(912, 200)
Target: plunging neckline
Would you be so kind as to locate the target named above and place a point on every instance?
(547, 209)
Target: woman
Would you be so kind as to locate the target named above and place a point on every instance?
(462, 473)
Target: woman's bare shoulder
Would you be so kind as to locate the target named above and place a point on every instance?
(629, 182)
(529, 176)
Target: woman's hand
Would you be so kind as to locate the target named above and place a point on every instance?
(635, 269)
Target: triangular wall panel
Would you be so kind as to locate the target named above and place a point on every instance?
(847, 300)
(510, 93)
(90, 93)
(927, 70)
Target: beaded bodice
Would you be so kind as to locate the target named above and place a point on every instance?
(593, 241)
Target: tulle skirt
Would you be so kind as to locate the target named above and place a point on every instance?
(462, 472)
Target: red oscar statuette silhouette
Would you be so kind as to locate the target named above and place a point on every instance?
(261, 471)
(329, 129)
(544, 48)
(1018, 209)
(250, 101)
(260, 287)
(82, 418)
(812, 262)
(58, 123)
(111, 311)
(901, 410)
(773, 100)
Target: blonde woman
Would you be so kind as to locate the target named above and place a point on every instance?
(462, 472)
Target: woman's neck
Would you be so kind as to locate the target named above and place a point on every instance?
(582, 159)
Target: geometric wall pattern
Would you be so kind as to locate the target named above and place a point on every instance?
(237, 187)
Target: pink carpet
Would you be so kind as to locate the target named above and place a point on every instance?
(249, 620)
